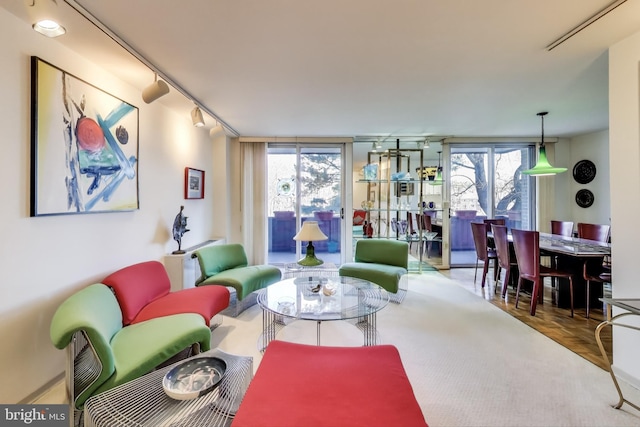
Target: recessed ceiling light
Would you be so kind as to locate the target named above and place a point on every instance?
(49, 28)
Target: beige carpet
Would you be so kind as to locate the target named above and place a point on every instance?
(470, 363)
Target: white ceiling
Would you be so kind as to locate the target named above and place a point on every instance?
(351, 68)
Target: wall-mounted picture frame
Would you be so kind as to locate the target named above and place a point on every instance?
(84, 146)
(193, 183)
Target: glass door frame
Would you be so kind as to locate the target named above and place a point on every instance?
(299, 147)
(491, 146)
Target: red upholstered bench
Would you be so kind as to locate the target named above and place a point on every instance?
(302, 385)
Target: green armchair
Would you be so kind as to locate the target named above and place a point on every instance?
(102, 353)
(381, 261)
(227, 265)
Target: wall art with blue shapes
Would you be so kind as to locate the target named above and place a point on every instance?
(84, 146)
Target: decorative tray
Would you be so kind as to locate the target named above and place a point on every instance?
(194, 377)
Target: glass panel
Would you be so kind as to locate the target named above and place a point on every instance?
(469, 200)
(486, 183)
(511, 188)
(310, 178)
(320, 197)
(281, 167)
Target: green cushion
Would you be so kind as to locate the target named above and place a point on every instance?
(217, 258)
(383, 251)
(386, 276)
(140, 347)
(245, 279)
(95, 310)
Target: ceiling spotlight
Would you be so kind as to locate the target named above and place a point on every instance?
(196, 117)
(155, 90)
(43, 15)
(216, 130)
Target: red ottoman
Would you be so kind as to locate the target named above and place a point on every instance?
(300, 385)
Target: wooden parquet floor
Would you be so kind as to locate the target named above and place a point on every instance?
(577, 333)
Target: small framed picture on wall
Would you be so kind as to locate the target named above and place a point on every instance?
(193, 183)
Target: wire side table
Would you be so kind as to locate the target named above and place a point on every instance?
(633, 309)
(143, 402)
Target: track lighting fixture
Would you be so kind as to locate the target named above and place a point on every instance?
(155, 90)
(543, 167)
(216, 130)
(196, 117)
(43, 15)
(422, 144)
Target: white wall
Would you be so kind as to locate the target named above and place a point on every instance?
(624, 136)
(44, 259)
(594, 147)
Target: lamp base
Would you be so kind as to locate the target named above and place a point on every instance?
(310, 259)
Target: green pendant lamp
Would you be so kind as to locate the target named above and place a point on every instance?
(438, 178)
(543, 167)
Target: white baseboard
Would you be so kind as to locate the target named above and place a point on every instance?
(53, 393)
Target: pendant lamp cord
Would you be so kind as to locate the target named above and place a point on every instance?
(544, 113)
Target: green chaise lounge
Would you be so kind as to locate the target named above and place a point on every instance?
(227, 265)
(381, 261)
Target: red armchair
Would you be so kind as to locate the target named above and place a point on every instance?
(144, 292)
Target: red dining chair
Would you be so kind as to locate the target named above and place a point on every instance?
(594, 269)
(489, 222)
(427, 226)
(483, 252)
(412, 233)
(527, 246)
(562, 228)
(501, 240)
(597, 232)
(497, 221)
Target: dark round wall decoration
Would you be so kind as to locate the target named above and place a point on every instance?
(584, 198)
(584, 171)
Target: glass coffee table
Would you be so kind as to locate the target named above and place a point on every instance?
(321, 299)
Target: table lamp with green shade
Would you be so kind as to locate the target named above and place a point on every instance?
(310, 232)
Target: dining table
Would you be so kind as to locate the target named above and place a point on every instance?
(572, 253)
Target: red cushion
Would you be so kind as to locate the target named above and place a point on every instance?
(206, 301)
(302, 385)
(137, 285)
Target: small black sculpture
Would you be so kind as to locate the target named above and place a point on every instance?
(179, 228)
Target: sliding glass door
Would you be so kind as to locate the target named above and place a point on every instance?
(486, 182)
(305, 183)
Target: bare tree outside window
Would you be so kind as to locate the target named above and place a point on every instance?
(469, 183)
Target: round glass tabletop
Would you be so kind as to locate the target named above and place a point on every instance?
(323, 298)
